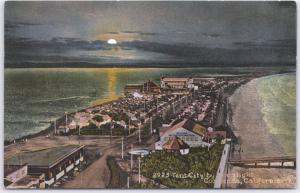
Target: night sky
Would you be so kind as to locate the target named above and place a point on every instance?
(75, 34)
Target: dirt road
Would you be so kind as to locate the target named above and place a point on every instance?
(97, 175)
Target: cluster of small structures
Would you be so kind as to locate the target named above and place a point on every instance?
(127, 112)
(193, 112)
(142, 101)
(186, 106)
(192, 126)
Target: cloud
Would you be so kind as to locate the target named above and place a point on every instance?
(248, 55)
(113, 32)
(55, 45)
(212, 35)
(9, 26)
(273, 44)
(64, 50)
(141, 33)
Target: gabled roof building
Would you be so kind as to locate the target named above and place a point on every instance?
(176, 144)
(187, 130)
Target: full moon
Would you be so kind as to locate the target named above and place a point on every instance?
(112, 41)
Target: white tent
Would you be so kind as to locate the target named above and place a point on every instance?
(137, 95)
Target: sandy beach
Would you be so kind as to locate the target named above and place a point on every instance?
(256, 141)
(249, 126)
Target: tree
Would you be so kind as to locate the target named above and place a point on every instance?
(98, 118)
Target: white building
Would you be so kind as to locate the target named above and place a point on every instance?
(187, 130)
(176, 83)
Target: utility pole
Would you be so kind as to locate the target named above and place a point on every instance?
(212, 115)
(139, 169)
(79, 134)
(151, 129)
(128, 186)
(111, 126)
(173, 108)
(131, 158)
(180, 102)
(156, 105)
(148, 86)
(129, 126)
(139, 125)
(122, 147)
(67, 130)
(55, 127)
(66, 113)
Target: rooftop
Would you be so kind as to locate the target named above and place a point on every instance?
(172, 128)
(194, 127)
(170, 79)
(133, 85)
(187, 124)
(8, 169)
(27, 181)
(175, 143)
(150, 84)
(44, 157)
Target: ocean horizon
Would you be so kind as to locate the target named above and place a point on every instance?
(35, 96)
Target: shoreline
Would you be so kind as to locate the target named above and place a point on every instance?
(223, 114)
(48, 130)
(247, 123)
(222, 121)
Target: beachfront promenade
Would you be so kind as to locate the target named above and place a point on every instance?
(222, 166)
(266, 162)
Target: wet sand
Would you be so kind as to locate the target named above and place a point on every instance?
(256, 142)
(249, 126)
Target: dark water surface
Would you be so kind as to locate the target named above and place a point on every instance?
(35, 95)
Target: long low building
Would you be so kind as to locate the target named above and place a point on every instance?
(17, 177)
(53, 163)
(147, 87)
(176, 85)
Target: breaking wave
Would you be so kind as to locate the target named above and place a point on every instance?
(278, 96)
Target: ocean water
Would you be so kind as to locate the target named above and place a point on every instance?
(35, 96)
(278, 96)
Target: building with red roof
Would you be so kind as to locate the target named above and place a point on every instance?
(175, 144)
(187, 130)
